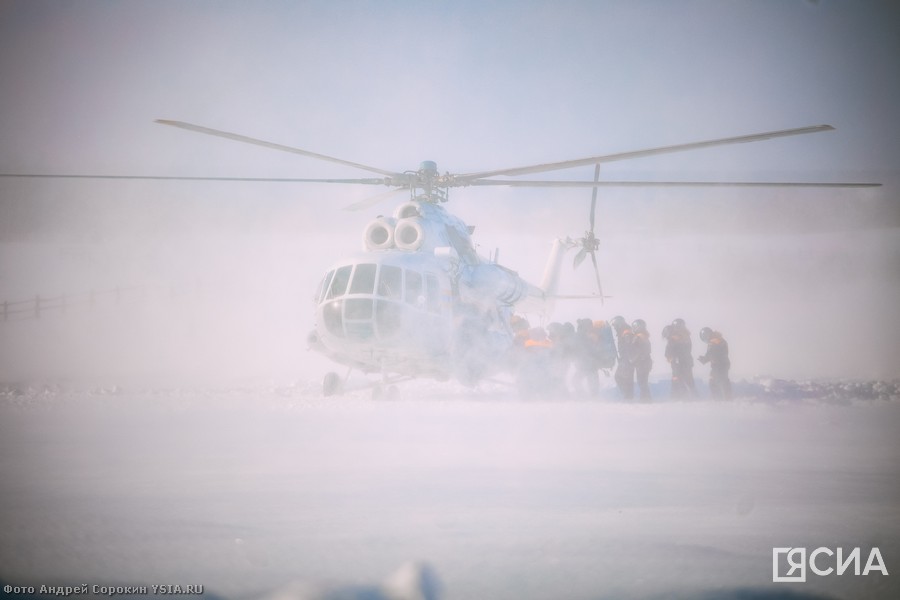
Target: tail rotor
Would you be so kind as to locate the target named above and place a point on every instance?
(589, 244)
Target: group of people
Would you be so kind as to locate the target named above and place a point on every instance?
(568, 357)
(546, 359)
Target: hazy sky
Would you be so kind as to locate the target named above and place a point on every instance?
(481, 85)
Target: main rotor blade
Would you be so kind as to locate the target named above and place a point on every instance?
(527, 183)
(274, 146)
(370, 181)
(567, 164)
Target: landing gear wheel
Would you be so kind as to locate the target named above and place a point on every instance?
(332, 385)
(377, 392)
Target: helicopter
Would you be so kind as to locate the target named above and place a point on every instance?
(418, 301)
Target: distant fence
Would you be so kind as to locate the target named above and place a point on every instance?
(37, 306)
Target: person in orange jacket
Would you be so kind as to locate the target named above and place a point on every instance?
(680, 357)
(640, 357)
(537, 375)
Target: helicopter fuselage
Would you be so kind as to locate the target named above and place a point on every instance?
(419, 301)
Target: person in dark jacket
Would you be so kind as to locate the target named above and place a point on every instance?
(625, 370)
(586, 377)
(719, 363)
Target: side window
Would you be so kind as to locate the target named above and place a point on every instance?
(432, 294)
(413, 287)
(323, 286)
(390, 282)
(339, 282)
(363, 279)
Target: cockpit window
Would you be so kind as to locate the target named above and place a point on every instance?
(389, 282)
(339, 282)
(413, 287)
(323, 286)
(363, 279)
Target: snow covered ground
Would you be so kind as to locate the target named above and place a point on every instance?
(244, 489)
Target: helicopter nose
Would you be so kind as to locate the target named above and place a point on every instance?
(362, 318)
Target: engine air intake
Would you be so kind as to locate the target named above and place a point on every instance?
(379, 235)
(409, 234)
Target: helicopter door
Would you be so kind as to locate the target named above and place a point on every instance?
(432, 294)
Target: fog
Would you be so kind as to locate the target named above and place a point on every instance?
(167, 424)
(177, 434)
(801, 281)
(221, 287)
(245, 489)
